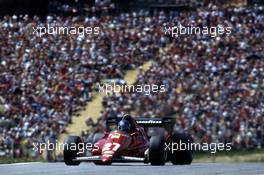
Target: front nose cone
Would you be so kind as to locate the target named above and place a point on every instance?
(107, 158)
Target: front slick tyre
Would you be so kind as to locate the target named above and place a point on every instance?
(157, 154)
(69, 154)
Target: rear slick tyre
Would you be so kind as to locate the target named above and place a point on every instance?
(181, 157)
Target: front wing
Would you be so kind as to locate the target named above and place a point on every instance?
(123, 159)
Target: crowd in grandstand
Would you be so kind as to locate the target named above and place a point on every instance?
(214, 86)
(45, 80)
(70, 7)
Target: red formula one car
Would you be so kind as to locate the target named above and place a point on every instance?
(131, 143)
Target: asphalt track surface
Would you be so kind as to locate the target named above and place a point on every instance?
(133, 169)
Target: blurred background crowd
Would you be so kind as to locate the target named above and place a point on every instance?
(46, 80)
(214, 86)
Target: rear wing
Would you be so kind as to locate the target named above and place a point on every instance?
(166, 122)
(155, 122)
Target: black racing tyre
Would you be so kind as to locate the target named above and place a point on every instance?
(181, 157)
(157, 154)
(69, 154)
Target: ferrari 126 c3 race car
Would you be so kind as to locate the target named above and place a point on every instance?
(132, 141)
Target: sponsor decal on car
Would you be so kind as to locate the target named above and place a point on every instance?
(115, 135)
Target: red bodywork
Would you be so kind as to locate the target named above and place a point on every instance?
(117, 143)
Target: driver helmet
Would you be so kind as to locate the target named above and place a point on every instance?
(124, 125)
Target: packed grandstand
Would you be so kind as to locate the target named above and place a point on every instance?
(214, 86)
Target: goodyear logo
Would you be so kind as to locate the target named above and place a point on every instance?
(149, 122)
